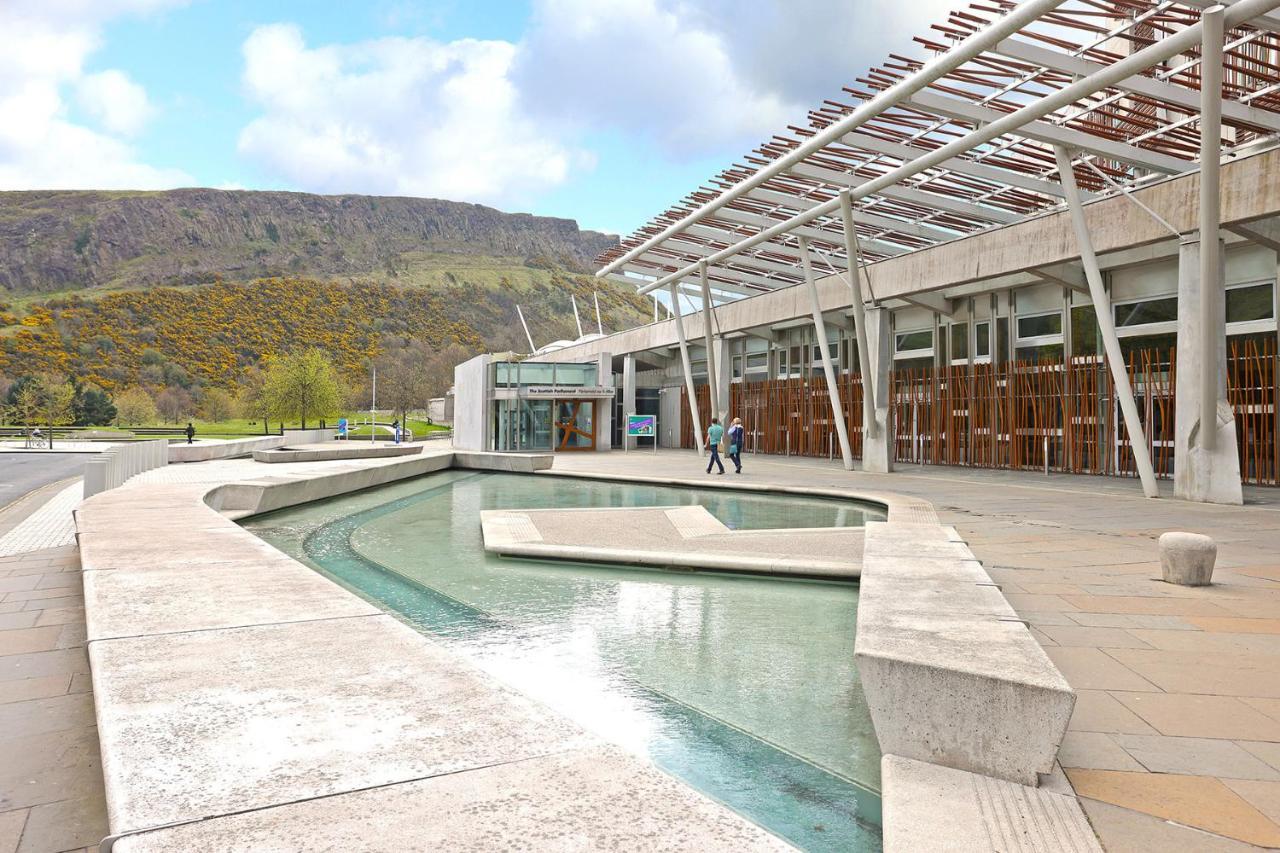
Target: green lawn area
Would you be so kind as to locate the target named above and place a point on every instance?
(243, 427)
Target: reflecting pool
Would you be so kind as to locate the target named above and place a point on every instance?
(744, 687)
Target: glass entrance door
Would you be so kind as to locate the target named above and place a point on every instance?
(575, 425)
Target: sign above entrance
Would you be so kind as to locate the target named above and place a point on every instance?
(567, 391)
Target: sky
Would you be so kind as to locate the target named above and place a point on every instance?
(602, 111)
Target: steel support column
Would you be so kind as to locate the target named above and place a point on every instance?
(708, 334)
(855, 272)
(688, 371)
(824, 347)
(1106, 326)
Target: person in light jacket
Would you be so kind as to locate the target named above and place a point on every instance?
(736, 435)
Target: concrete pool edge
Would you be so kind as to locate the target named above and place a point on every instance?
(964, 732)
(240, 734)
(199, 549)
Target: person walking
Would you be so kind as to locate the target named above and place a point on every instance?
(191, 433)
(736, 434)
(715, 432)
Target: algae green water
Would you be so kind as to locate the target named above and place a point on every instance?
(744, 687)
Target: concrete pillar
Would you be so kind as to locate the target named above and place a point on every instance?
(878, 445)
(628, 396)
(604, 405)
(710, 341)
(724, 380)
(1209, 474)
(95, 477)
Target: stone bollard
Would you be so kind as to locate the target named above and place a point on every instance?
(1187, 558)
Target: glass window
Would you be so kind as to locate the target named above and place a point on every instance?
(1040, 325)
(576, 374)
(504, 374)
(782, 364)
(959, 341)
(1162, 310)
(758, 362)
(1251, 302)
(737, 367)
(907, 341)
(1048, 352)
(982, 339)
(535, 373)
(1002, 340)
(1084, 331)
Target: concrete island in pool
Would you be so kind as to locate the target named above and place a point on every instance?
(245, 702)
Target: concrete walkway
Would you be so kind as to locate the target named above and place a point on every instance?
(1175, 740)
(51, 796)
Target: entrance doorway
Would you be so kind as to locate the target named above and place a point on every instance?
(575, 425)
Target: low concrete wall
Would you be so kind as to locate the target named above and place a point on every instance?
(308, 436)
(335, 450)
(951, 674)
(233, 449)
(244, 701)
(117, 464)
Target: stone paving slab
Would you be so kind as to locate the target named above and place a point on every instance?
(941, 810)
(533, 804)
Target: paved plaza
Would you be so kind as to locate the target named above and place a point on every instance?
(1175, 739)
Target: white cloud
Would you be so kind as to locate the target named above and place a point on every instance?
(43, 49)
(397, 115)
(700, 75)
(118, 103)
(499, 122)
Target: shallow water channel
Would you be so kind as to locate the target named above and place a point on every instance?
(744, 687)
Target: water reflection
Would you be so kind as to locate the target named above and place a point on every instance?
(744, 686)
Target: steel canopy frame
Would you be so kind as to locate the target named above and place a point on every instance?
(1008, 123)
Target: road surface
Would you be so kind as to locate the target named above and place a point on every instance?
(23, 472)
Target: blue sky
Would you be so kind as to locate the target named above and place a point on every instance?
(604, 111)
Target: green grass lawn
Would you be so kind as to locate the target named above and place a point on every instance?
(244, 427)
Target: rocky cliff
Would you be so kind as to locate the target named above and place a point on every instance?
(61, 241)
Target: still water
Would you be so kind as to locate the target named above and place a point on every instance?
(744, 687)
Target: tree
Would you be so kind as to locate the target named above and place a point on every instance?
(251, 400)
(174, 404)
(402, 379)
(438, 369)
(47, 399)
(92, 407)
(302, 385)
(134, 407)
(216, 405)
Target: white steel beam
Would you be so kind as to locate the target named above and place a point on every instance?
(1107, 328)
(935, 69)
(959, 165)
(1052, 134)
(1152, 54)
(824, 349)
(688, 372)
(1210, 218)
(854, 280)
(1139, 84)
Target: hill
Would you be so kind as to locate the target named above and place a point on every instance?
(63, 241)
(189, 290)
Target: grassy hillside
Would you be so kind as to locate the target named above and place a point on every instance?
(188, 290)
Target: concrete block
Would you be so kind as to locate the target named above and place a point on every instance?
(1187, 558)
(941, 810)
(950, 674)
